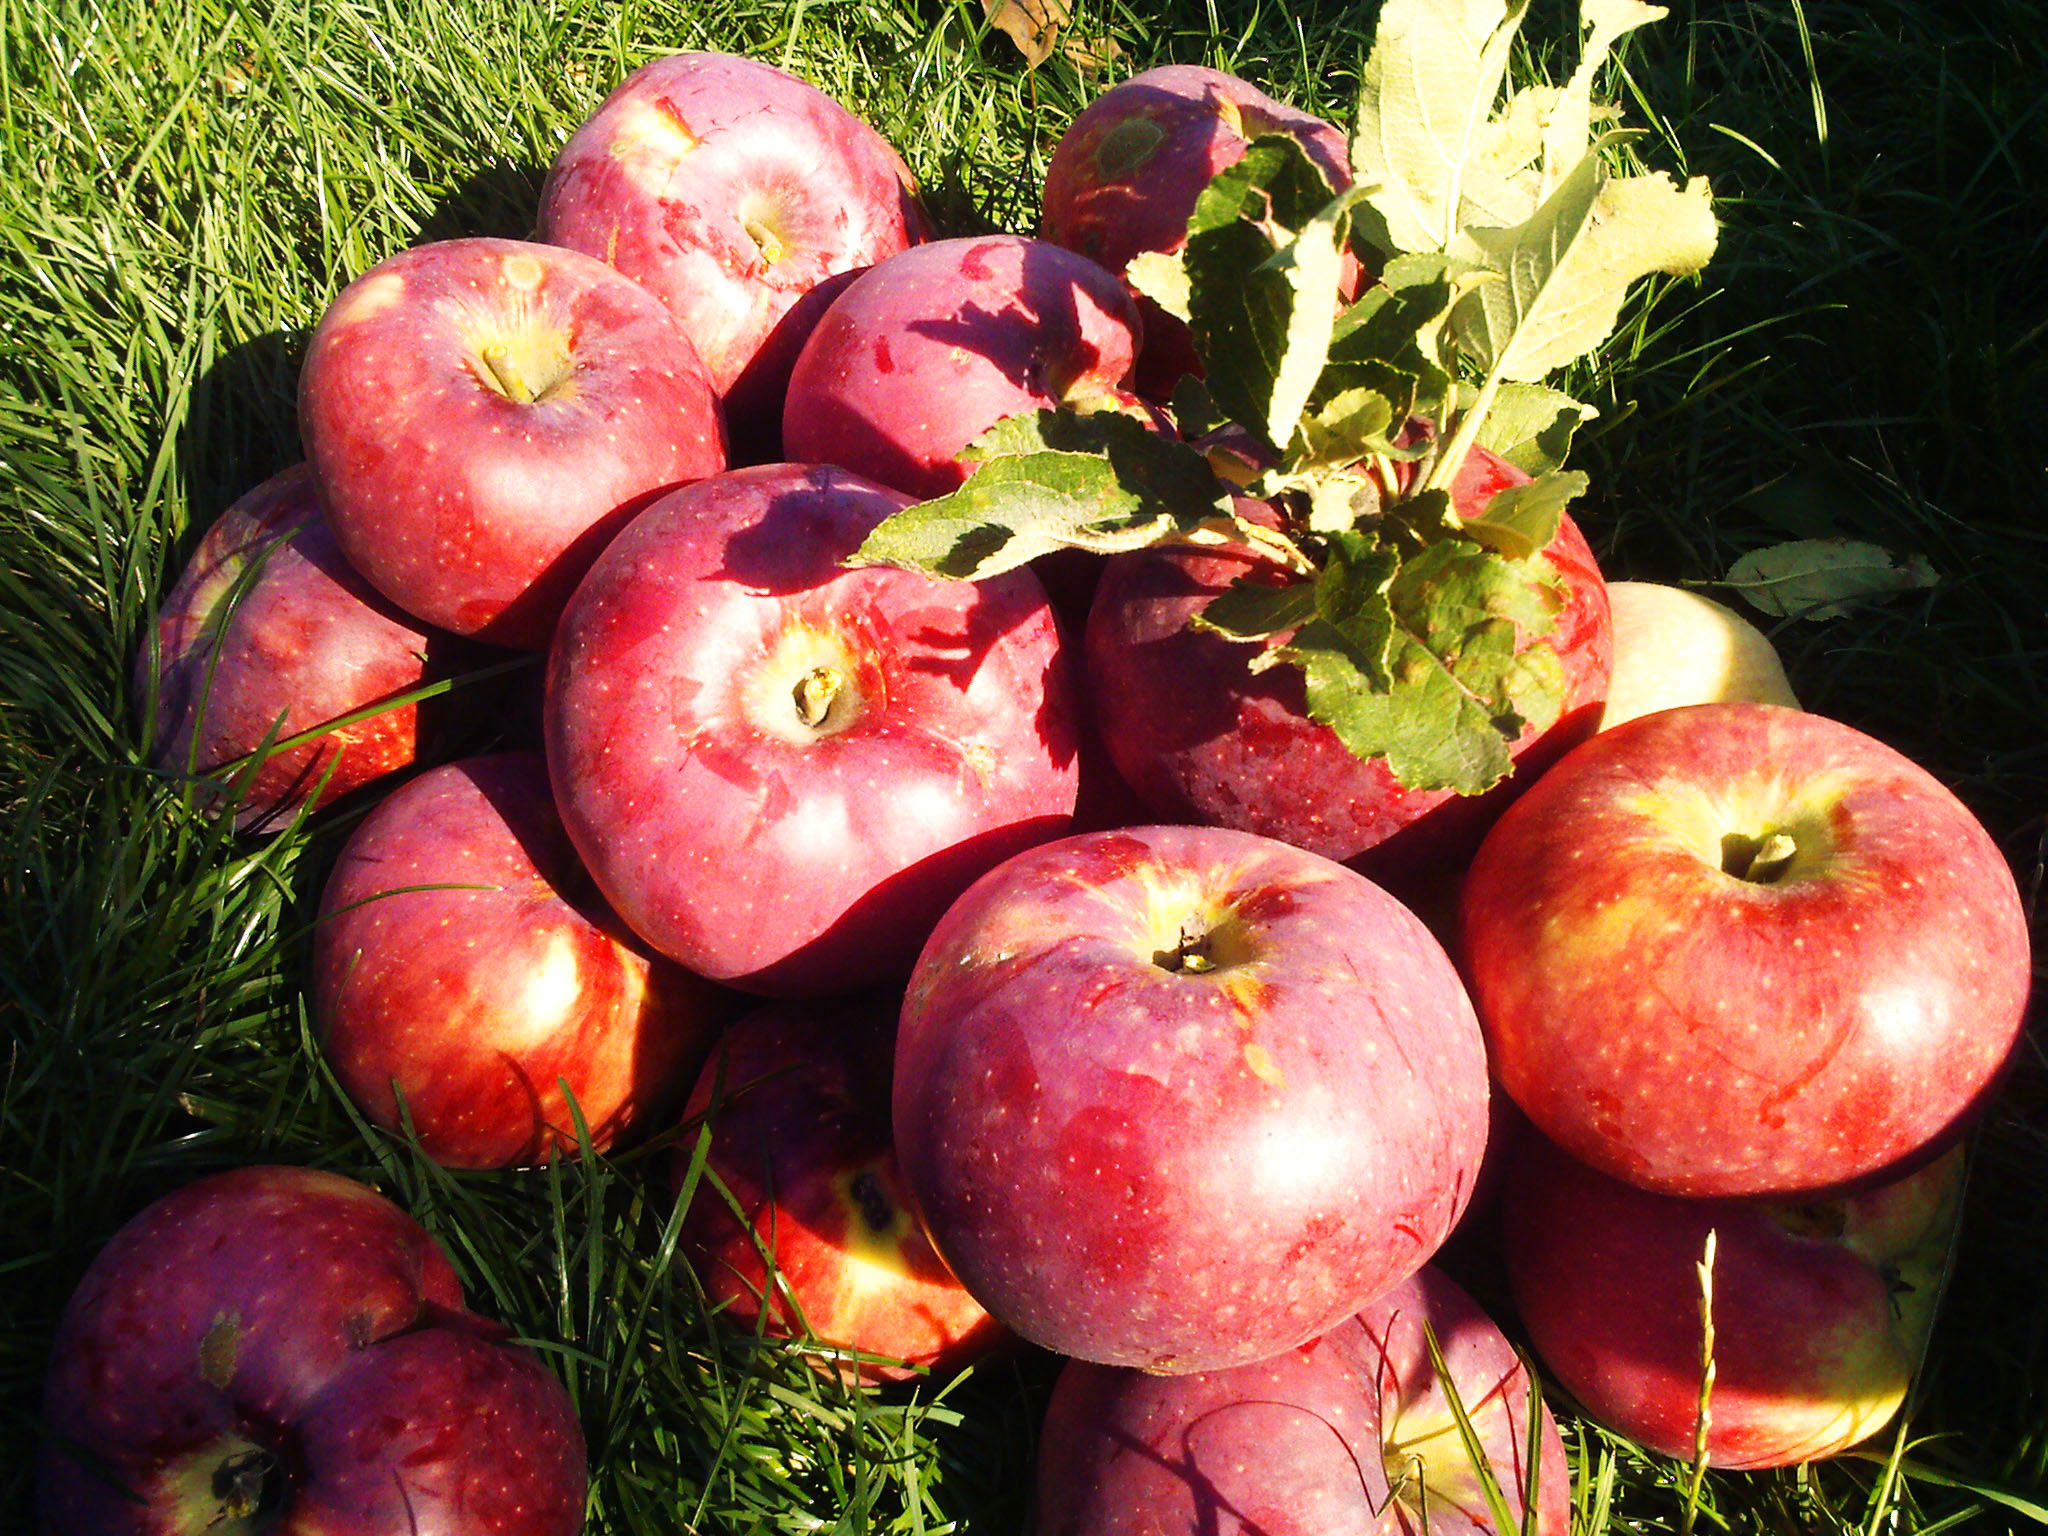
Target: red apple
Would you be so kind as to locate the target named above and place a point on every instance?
(270, 632)
(780, 771)
(929, 349)
(1200, 736)
(729, 189)
(1352, 1431)
(466, 979)
(1821, 1308)
(283, 1352)
(1182, 1097)
(1125, 176)
(798, 1096)
(484, 415)
(1735, 949)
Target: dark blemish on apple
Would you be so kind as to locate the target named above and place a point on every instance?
(875, 1206)
(885, 362)
(1126, 147)
(219, 1348)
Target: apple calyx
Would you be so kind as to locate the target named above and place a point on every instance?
(813, 683)
(1189, 957)
(1504, 247)
(231, 1487)
(815, 694)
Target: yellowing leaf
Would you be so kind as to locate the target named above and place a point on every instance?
(1431, 81)
(1033, 25)
(1568, 130)
(1163, 278)
(1566, 269)
(1824, 578)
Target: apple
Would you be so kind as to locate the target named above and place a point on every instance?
(780, 770)
(468, 982)
(1821, 1307)
(798, 1098)
(1352, 1431)
(927, 350)
(1200, 736)
(1675, 647)
(1181, 1098)
(483, 415)
(1125, 176)
(283, 1352)
(729, 189)
(1734, 949)
(269, 632)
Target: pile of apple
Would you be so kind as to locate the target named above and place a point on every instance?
(993, 689)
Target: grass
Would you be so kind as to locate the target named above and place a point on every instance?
(182, 189)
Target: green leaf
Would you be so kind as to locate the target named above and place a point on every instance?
(1824, 578)
(1263, 259)
(1455, 692)
(1392, 339)
(1566, 269)
(1531, 426)
(1047, 480)
(1252, 610)
(1431, 81)
(1522, 519)
(1348, 427)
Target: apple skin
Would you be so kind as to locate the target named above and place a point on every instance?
(783, 857)
(798, 1095)
(1125, 176)
(1351, 1431)
(1698, 1033)
(1674, 647)
(1821, 1308)
(468, 507)
(295, 1319)
(246, 655)
(1130, 1159)
(1200, 737)
(729, 189)
(927, 350)
(480, 1003)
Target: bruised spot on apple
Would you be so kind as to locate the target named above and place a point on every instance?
(650, 140)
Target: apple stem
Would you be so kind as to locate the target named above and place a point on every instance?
(1190, 957)
(505, 374)
(1763, 860)
(814, 694)
(772, 248)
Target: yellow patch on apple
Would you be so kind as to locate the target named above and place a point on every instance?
(1674, 647)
